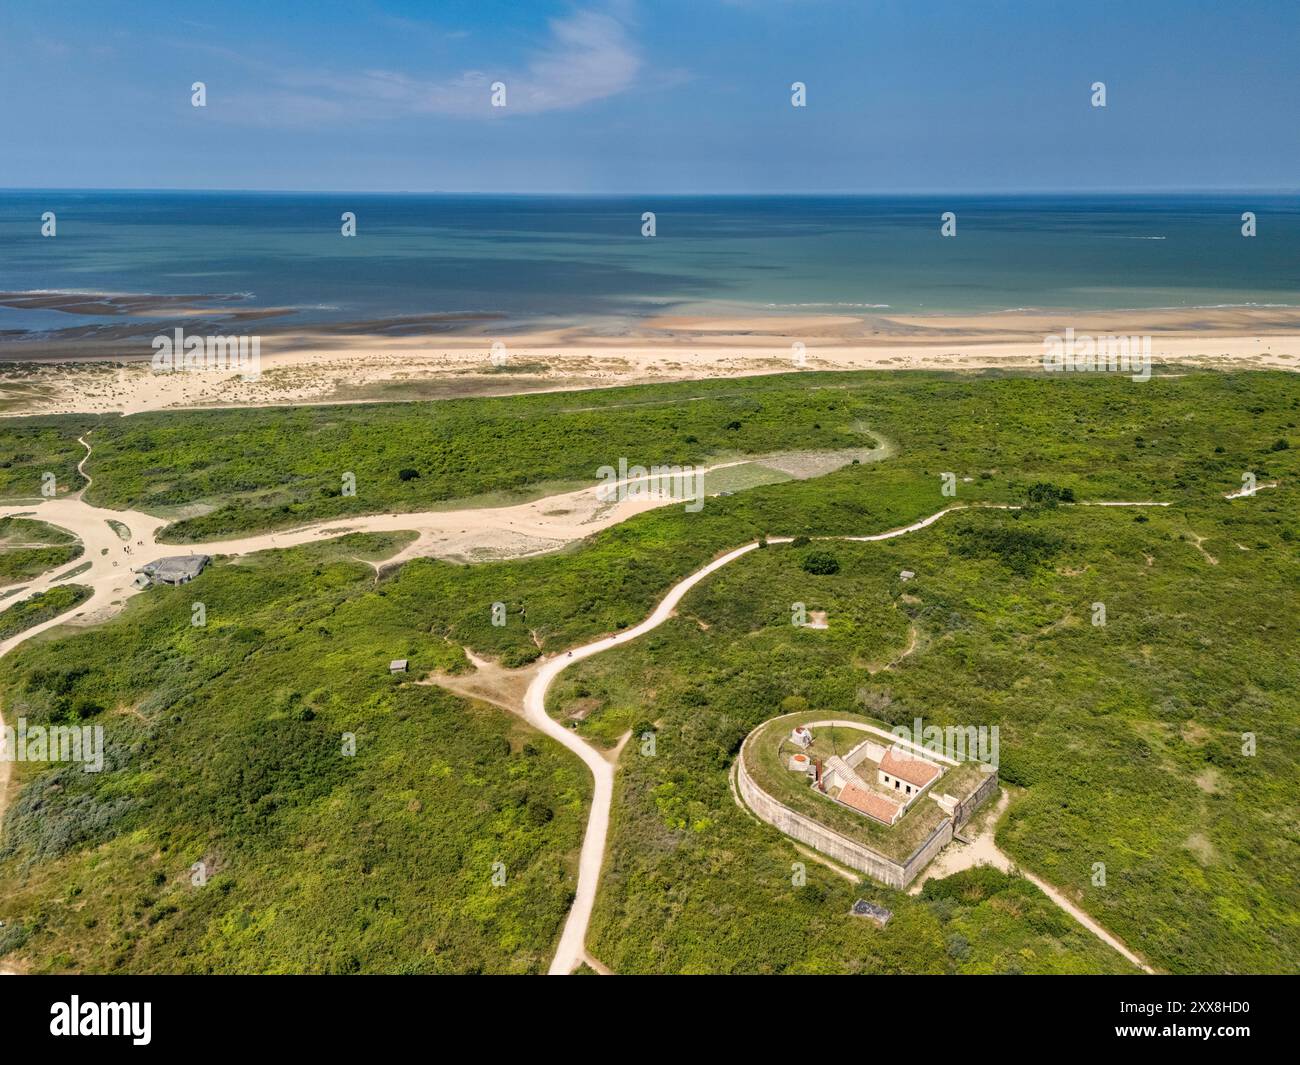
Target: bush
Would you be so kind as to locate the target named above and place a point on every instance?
(1045, 494)
(822, 563)
(1019, 549)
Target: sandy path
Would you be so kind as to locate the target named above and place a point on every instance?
(1241, 493)
(481, 532)
(112, 584)
(983, 850)
(572, 947)
(477, 533)
(553, 520)
(1079, 915)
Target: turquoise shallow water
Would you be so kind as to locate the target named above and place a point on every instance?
(569, 258)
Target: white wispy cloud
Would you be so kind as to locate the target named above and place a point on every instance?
(586, 56)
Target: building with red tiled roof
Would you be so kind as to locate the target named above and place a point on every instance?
(869, 803)
(906, 772)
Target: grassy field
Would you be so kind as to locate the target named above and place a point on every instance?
(32, 447)
(225, 746)
(1126, 738)
(29, 548)
(282, 467)
(41, 607)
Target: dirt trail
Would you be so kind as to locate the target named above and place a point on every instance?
(572, 947)
(471, 534)
(983, 850)
(528, 528)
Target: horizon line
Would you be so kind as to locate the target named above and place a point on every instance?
(1149, 190)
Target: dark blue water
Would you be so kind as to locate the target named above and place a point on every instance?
(570, 258)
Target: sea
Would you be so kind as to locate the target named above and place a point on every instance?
(587, 259)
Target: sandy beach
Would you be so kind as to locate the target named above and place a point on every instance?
(432, 358)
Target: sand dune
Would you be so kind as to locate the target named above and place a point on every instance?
(320, 367)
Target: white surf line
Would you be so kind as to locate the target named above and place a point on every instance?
(572, 947)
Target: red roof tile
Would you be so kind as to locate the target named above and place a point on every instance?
(910, 768)
(869, 803)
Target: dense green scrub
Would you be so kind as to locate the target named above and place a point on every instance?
(19, 561)
(225, 746)
(286, 467)
(32, 447)
(41, 607)
(1126, 738)
(275, 467)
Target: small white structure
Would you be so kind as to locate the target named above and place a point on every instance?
(817, 620)
(801, 735)
(800, 762)
(397, 665)
(906, 575)
(906, 772)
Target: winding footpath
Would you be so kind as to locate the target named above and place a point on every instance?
(529, 528)
(110, 555)
(983, 850)
(572, 948)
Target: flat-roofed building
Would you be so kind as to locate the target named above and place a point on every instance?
(175, 569)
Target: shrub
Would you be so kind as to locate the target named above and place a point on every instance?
(1019, 549)
(822, 563)
(1046, 494)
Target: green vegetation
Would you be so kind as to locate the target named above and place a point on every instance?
(1008, 540)
(1044, 494)
(225, 745)
(32, 447)
(40, 608)
(822, 563)
(767, 765)
(281, 467)
(1126, 738)
(992, 924)
(29, 548)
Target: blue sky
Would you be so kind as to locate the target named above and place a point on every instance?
(631, 96)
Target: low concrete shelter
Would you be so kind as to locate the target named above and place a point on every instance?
(175, 569)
